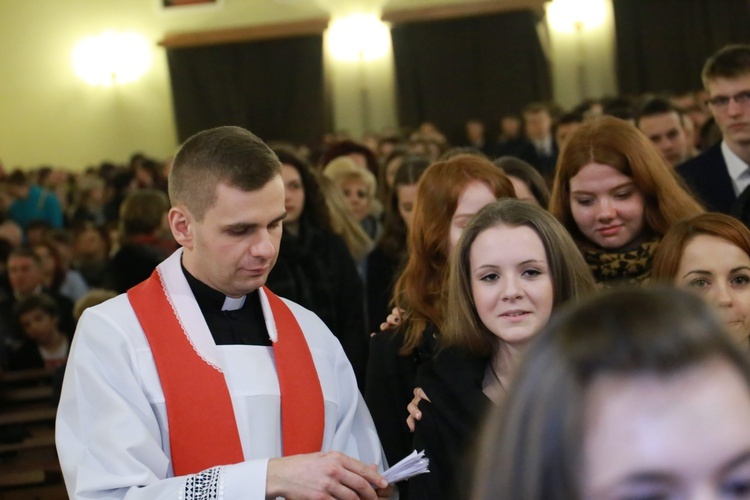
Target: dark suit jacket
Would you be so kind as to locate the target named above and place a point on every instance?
(707, 176)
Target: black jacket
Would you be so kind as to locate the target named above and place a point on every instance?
(708, 178)
(391, 379)
(316, 270)
(450, 422)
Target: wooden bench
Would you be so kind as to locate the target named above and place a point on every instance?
(29, 469)
(39, 375)
(26, 394)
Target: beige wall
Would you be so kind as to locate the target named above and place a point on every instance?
(49, 116)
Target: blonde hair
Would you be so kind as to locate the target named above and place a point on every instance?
(342, 221)
(343, 169)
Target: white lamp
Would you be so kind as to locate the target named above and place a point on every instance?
(574, 17)
(111, 58)
(569, 16)
(359, 37)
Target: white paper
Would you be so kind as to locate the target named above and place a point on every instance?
(411, 466)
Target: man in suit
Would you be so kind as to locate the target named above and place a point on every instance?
(664, 125)
(721, 173)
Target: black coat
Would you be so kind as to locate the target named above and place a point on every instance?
(316, 270)
(391, 379)
(450, 422)
(382, 272)
(708, 178)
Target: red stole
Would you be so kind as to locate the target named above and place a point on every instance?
(202, 426)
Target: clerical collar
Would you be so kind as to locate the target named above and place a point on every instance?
(208, 297)
(230, 321)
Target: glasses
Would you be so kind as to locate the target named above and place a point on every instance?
(722, 101)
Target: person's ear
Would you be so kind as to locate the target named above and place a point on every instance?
(182, 225)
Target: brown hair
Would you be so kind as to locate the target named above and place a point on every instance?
(419, 289)
(230, 155)
(618, 144)
(532, 445)
(516, 167)
(570, 275)
(669, 252)
(731, 61)
(142, 212)
(393, 239)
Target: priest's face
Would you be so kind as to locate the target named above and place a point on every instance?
(235, 246)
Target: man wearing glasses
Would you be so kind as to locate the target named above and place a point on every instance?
(722, 172)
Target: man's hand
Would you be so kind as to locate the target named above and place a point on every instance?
(325, 475)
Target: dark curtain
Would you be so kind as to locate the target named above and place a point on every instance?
(274, 88)
(475, 67)
(662, 44)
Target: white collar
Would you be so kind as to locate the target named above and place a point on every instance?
(738, 169)
(232, 304)
(188, 312)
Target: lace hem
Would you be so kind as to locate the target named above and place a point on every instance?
(206, 485)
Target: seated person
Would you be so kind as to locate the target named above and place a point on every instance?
(45, 345)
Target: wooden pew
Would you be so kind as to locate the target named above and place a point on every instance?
(29, 468)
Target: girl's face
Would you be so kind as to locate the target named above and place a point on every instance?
(357, 198)
(475, 195)
(511, 282)
(720, 272)
(294, 193)
(681, 436)
(407, 197)
(607, 206)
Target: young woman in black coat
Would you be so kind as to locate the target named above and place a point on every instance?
(314, 267)
(512, 266)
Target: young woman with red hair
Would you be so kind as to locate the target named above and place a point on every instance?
(710, 255)
(449, 193)
(617, 196)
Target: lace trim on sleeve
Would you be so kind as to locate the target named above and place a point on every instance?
(206, 485)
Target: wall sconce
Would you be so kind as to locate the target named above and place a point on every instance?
(573, 17)
(569, 16)
(111, 58)
(359, 37)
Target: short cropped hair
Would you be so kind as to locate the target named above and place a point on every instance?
(731, 61)
(26, 252)
(657, 106)
(229, 155)
(41, 302)
(141, 212)
(17, 178)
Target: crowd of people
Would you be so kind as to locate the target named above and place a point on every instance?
(517, 308)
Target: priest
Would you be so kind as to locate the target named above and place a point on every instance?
(202, 383)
